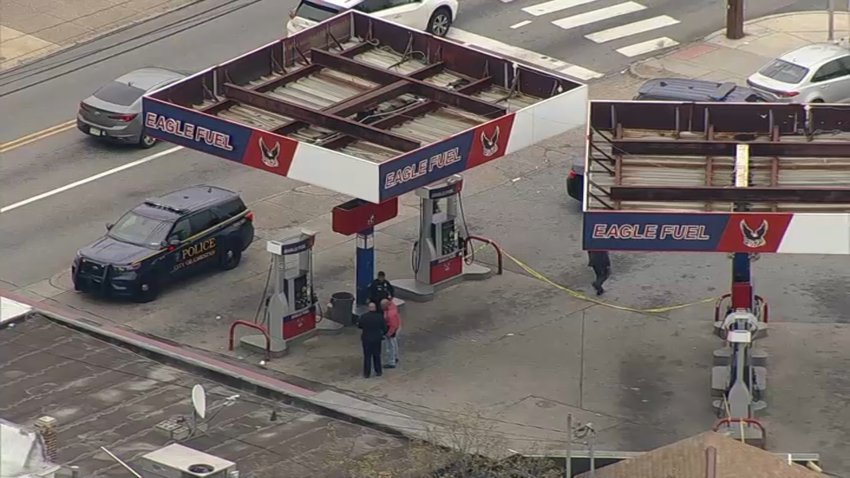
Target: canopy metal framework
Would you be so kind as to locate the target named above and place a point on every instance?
(657, 156)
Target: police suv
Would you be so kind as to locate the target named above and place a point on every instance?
(164, 239)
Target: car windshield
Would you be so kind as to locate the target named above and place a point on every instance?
(119, 93)
(315, 12)
(785, 72)
(140, 230)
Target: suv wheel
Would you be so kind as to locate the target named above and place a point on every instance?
(230, 257)
(147, 141)
(440, 22)
(148, 291)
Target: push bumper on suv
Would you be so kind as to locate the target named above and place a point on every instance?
(103, 279)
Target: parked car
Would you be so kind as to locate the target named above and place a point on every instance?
(432, 16)
(575, 180)
(164, 239)
(114, 111)
(812, 74)
(683, 89)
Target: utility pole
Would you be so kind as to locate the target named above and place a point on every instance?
(735, 19)
(568, 469)
(831, 36)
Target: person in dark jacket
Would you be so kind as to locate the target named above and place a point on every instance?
(601, 264)
(374, 328)
(380, 289)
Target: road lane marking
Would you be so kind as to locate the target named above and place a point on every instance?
(632, 29)
(647, 46)
(598, 15)
(554, 6)
(479, 42)
(89, 179)
(33, 137)
(520, 24)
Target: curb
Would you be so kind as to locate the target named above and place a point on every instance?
(247, 378)
(634, 67)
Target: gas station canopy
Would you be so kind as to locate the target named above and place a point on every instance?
(747, 177)
(365, 107)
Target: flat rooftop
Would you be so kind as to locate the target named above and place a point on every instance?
(671, 156)
(104, 395)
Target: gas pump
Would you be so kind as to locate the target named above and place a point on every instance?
(437, 258)
(290, 306)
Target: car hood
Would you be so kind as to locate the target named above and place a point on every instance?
(109, 250)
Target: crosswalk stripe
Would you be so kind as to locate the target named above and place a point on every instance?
(474, 40)
(553, 6)
(598, 15)
(632, 29)
(648, 46)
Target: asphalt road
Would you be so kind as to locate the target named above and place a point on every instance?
(45, 233)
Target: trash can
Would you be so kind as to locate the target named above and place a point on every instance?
(342, 308)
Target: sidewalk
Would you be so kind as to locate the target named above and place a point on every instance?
(33, 28)
(717, 58)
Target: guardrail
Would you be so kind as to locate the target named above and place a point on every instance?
(746, 421)
(252, 326)
(467, 247)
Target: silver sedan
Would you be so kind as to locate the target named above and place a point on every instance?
(114, 111)
(817, 73)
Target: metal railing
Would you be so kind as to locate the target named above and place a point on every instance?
(468, 252)
(252, 326)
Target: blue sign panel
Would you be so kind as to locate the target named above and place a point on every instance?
(425, 166)
(195, 130)
(613, 231)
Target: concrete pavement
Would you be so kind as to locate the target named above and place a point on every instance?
(522, 354)
(717, 58)
(33, 28)
(518, 352)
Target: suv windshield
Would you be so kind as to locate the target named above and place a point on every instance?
(785, 72)
(119, 93)
(140, 230)
(315, 12)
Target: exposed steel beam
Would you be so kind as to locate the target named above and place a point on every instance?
(407, 114)
(318, 118)
(278, 81)
(784, 149)
(367, 100)
(432, 92)
(730, 194)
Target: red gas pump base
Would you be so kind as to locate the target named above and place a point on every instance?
(411, 289)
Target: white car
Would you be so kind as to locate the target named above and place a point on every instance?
(433, 16)
(812, 74)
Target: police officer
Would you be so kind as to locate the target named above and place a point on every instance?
(601, 264)
(380, 289)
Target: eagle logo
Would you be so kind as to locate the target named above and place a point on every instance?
(490, 145)
(754, 238)
(270, 155)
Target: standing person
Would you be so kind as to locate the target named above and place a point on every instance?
(601, 264)
(393, 320)
(374, 328)
(380, 289)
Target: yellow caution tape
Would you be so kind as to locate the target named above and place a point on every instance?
(587, 298)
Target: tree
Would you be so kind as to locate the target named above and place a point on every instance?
(465, 447)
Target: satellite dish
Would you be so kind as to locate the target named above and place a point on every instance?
(199, 400)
